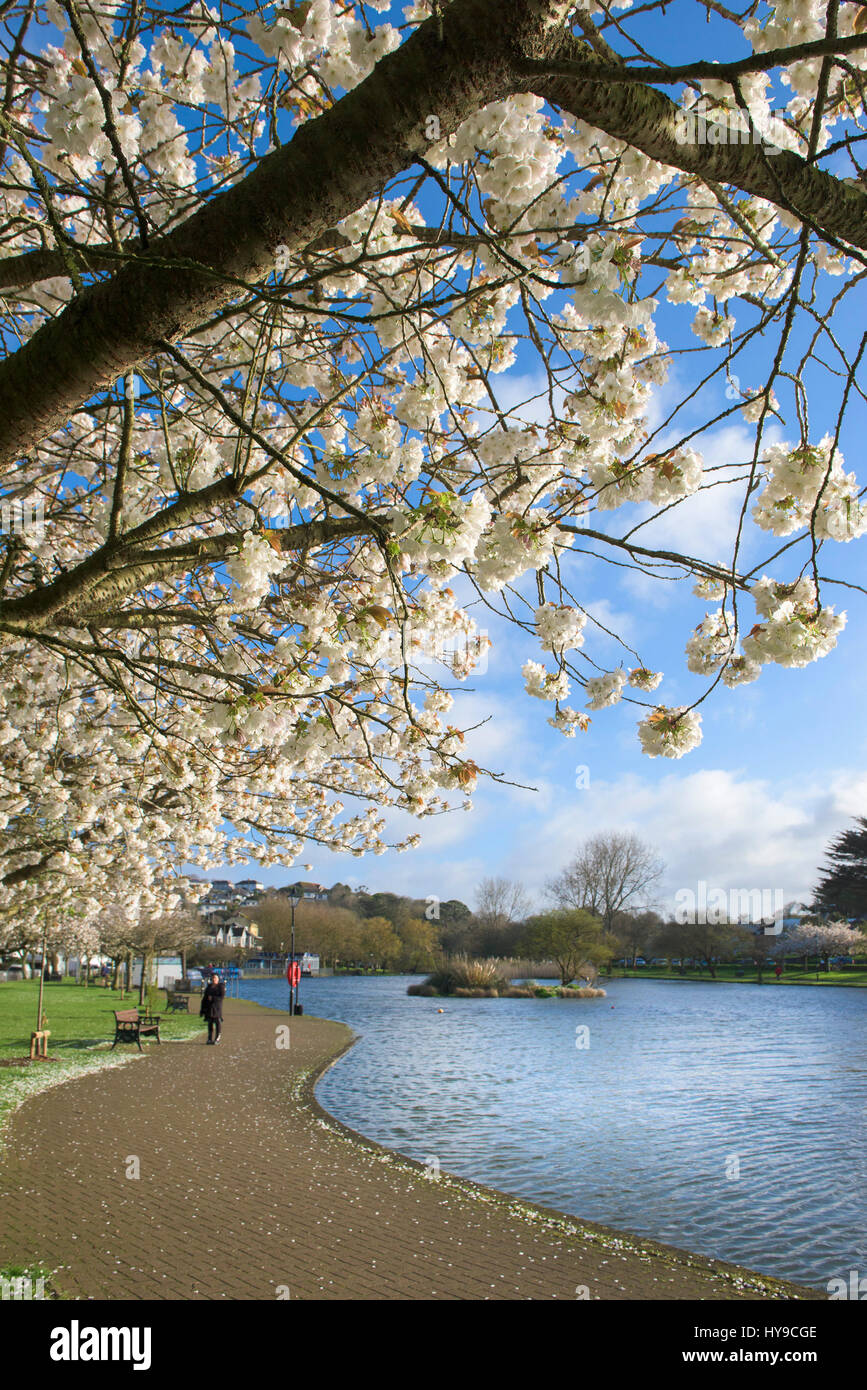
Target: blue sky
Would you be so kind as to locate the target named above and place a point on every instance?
(782, 764)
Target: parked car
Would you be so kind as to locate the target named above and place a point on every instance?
(842, 960)
(639, 960)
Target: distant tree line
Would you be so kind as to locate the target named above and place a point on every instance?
(599, 909)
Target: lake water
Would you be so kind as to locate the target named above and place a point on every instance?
(726, 1119)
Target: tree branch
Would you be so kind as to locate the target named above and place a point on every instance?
(595, 71)
(647, 120)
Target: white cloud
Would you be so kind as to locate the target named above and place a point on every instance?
(730, 830)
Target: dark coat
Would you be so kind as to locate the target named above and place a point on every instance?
(212, 1001)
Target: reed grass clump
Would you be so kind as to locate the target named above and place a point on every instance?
(460, 973)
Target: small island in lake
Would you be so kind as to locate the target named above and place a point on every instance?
(465, 978)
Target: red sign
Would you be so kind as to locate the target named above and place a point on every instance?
(293, 972)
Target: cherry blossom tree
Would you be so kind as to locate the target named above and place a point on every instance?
(822, 939)
(263, 277)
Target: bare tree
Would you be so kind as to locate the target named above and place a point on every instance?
(501, 905)
(608, 874)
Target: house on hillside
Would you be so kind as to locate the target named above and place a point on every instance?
(229, 929)
(309, 892)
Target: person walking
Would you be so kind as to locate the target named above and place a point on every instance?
(212, 1007)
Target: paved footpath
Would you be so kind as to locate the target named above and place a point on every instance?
(247, 1190)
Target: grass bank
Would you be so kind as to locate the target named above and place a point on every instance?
(854, 977)
(81, 1022)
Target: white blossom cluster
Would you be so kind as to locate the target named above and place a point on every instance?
(559, 627)
(567, 720)
(515, 543)
(797, 21)
(606, 689)
(794, 634)
(642, 679)
(670, 733)
(806, 480)
(712, 643)
(252, 569)
(658, 479)
(708, 587)
(544, 685)
(713, 328)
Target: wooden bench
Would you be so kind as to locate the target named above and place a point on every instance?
(177, 1003)
(130, 1026)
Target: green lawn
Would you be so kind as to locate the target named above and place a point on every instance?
(793, 974)
(79, 1018)
(82, 1030)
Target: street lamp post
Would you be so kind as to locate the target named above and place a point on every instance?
(295, 895)
(292, 987)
